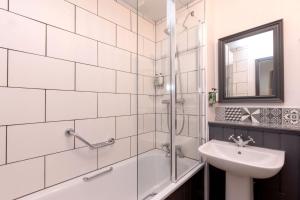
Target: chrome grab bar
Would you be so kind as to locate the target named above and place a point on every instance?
(88, 178)
(110, 141)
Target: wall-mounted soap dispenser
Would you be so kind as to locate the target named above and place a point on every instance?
(159, 80)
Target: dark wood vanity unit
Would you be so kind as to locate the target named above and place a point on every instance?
(283, 186)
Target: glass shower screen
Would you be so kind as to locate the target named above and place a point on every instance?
(171, 99)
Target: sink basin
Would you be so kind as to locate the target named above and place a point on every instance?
(247, 161)
(241, 165)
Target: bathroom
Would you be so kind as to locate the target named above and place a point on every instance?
(149, 99)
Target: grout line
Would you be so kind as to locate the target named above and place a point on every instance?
(50, 154)
(75, 76)
(116, 29)
(6, 139)
(75, 18)
(80, 91)
(45, 105)
(131, 63)
(97, 105)
(98, 8)
(116, 82)
(115, 127)
(7, 67)
(97, 158)
(188, 124)
(128, 29)
(46, 39)
(44, 172)
(84, 36)
(8, 5)
(74, 140)
(68, 120)
(130, 153)
(98, 63)
(130, 19)
(62, 59)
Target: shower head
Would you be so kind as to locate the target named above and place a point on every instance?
(192, 14)
(167, 31)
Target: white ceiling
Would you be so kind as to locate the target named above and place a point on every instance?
(154, 9)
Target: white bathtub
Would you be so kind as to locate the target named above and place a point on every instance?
(121, 183)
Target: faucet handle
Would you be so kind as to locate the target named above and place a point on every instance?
(165, 145)
(231, 137)
(251, 139)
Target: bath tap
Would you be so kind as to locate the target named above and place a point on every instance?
(240, 142)
(179, 152)
(167, 148)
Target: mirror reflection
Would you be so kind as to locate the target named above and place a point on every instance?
(249, 66)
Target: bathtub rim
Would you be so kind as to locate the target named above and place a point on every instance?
(164, 193)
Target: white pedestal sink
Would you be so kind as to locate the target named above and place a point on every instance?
(242, 164)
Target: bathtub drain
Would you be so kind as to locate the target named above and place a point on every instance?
(149, 195)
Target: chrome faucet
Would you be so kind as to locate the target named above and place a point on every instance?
(179, 152)
(240, 142)
(166, 147)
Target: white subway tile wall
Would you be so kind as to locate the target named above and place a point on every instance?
(69, 46)
(3, 67)
(126, 83)
(68, 105)
(4, 4)
(115, 153)
(146, 142)
(91, 78)
(92, 26)
(33, 140)
(19, 106)
(21, 178)
(114, 58)
(2, 145)
(74, 64)
(96, 130)
(90, 5)
(32, 71)
(66, 165)
(113, 104)
(22, 33)
(127, 40)
(47, 11)
(126, 126)
(113, 11)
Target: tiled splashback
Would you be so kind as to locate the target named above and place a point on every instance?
(274, 116)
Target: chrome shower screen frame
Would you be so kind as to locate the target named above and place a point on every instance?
(171, 25)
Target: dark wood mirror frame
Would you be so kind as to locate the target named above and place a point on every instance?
(277, 28)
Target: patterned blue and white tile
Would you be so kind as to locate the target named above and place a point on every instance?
(271, 116)
(233, 114)
(290, 117)
(220, 114)
(251, 115)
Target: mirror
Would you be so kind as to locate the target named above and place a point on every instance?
(251, 65)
